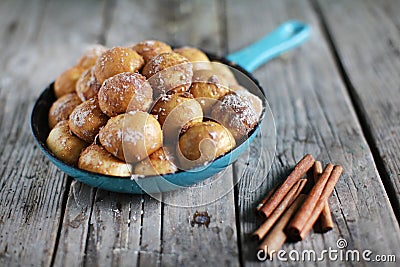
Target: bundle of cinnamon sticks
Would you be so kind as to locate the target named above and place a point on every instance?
(290, 214)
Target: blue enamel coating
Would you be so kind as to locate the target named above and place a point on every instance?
(148, 184)
(287, 36)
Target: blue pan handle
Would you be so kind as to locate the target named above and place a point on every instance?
(287, 36)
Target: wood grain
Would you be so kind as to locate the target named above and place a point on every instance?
(59, 38)
(114, 235)
(32, 190)
(143, 239)
(313, 114)
(182, 243)
(368, 44)
(185, 243)
(116, 225)
(48, 219)
(71, 248)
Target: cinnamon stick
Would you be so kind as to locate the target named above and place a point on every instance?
(307, 208)
(286, 202)
(265, 199)
(305, 218)
(325, 217)
(276, 238)
(299, 171)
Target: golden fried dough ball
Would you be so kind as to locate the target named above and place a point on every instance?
(207, 88)
(96, 159)
(62, 108)
(203, 142)
(168, 71)
(236, 114)
(224, 71)
(158, 163)
(87, 85)
(66, 82)
(125, 92)
(175, 113)
(117, 60)
(131, 136)
(161, 62)
(90, 56)
(196, 56)
(151, 48)
(64, 145)
(87, 119)
(254, 100)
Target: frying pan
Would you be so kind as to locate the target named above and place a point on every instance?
(285, 37)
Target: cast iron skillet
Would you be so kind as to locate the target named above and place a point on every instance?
(285, 37)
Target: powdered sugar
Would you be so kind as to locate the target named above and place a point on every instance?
(132, 136)
(242, 107)
(236, 113)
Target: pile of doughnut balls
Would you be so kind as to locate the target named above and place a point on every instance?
(147, 109)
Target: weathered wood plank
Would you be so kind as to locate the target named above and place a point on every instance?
(198, 23)
(61, 45)
(150, 241)
(313, 114)
(176, 22)
(113, 235)
(194, 23)
(74, 229)
(129, 22)
(31, 192)
(38, 39)
(185, 244)
(150, 238)
(110, 224)
(135, 239)
(368, 44)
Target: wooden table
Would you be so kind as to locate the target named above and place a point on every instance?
(336, 97)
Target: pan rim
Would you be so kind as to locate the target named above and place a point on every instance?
(213, 57)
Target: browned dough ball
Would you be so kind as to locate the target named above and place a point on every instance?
(168, 71)
(175, 113)
(225, 72)
(117, 60)
(158, 163)
(125, 92)
(96, 159)
(62, 108)
(199, 59)
(254, 100)
(90, 56)
(235, 113)
(87, 119)
(151, 48)
(64, 145)
(203, 142)
(131, 136)
(87, 85)
(207, 88)
(66, 82)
